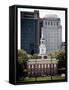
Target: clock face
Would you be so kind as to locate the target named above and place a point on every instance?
(42, 50)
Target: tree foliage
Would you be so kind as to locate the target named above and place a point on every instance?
(59, 54)
(35, 56)
(21, 64)
(22, 56)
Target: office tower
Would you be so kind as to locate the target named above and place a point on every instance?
(30, 31)
(52, 31)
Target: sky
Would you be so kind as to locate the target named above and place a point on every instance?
(43, 13)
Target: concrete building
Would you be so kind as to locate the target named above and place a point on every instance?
(52, 31)
(62, 47)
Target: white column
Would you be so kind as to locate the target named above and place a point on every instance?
(39, 65)
(28, 66)
(54, 65)
(45, 65)
(48, 65)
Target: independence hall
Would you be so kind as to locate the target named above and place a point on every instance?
(42, 67)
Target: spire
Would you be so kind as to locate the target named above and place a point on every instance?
(42, 48)
(42, 34)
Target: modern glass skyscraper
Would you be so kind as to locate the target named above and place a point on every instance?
(30, 31)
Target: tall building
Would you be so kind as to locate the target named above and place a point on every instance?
(30, 31)
(52, 31)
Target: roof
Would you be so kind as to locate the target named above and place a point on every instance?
(40, 61)
(51, 17)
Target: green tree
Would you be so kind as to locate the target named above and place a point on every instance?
(60, 55)
(30, 56)
(21, 64)
(50, 55)
(22, 56)
(35, 56)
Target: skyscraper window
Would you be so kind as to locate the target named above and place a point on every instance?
(45, 23)
(51, 23)
(57, 23)
(48, 23)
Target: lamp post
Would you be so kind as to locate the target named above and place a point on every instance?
(51, 65)
(35, 70)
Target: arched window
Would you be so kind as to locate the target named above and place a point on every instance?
(32, 66)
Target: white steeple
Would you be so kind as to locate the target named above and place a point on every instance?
(42, 47)
(41, 33)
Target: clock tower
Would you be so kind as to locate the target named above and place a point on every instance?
(42, 47)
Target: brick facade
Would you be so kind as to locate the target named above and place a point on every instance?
(42, 67)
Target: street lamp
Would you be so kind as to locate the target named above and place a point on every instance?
(51, 65)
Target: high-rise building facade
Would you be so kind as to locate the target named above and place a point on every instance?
(30, 31)
(52, 32)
